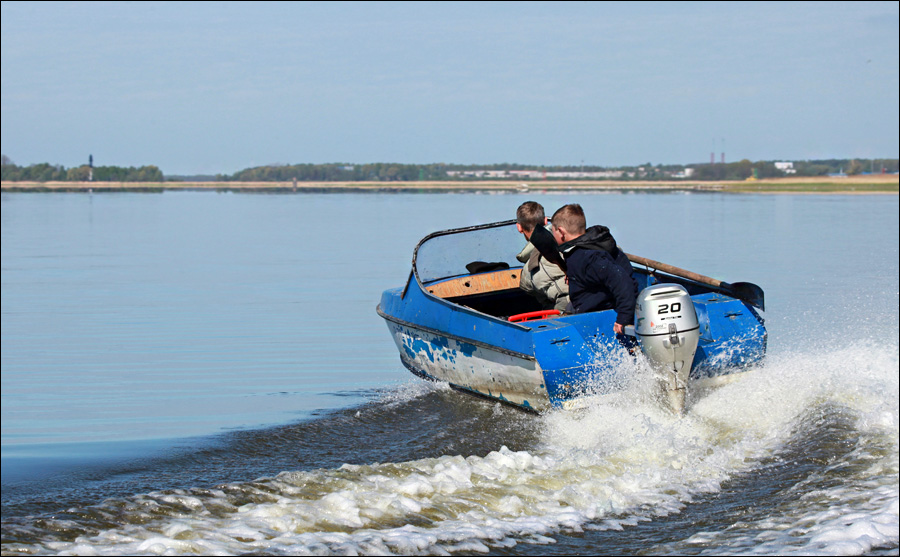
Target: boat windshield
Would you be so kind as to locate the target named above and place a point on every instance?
(446, 254)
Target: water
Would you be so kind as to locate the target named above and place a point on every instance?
(205, 373)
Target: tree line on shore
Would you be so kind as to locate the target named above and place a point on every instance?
(387, 172)
(46, 172)
(395, 172)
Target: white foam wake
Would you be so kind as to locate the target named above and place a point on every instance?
(619, 462)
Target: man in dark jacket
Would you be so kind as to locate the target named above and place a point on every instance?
(600, 274)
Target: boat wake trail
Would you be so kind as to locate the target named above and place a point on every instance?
(799, 455)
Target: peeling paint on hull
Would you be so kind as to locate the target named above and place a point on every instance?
(463, 365)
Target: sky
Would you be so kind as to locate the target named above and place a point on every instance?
(210, 87)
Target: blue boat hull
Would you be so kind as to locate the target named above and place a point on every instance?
(552, 362)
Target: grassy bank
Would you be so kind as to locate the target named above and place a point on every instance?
(849, 185)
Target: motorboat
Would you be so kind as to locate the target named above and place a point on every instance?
(462, 318)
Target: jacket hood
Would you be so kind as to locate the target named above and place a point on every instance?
(596, 237)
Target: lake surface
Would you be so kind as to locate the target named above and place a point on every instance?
(200, 372)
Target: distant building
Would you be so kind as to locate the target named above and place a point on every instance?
(534, 174)
(786, 167)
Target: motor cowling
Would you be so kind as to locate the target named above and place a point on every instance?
(668, 332)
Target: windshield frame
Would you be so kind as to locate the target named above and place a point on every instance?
(451, 231)
(415, 272)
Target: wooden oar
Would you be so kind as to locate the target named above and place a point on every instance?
(746, 291)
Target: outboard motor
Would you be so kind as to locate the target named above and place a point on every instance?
(667, 330)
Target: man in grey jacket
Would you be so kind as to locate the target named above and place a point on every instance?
(540, 278)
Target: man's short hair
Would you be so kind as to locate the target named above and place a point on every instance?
(570, 217)
(529, 215)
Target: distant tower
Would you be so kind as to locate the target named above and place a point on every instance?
(723, 150)
(712, 154)
(90, 168)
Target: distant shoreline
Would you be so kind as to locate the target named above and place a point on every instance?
(861, 184)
